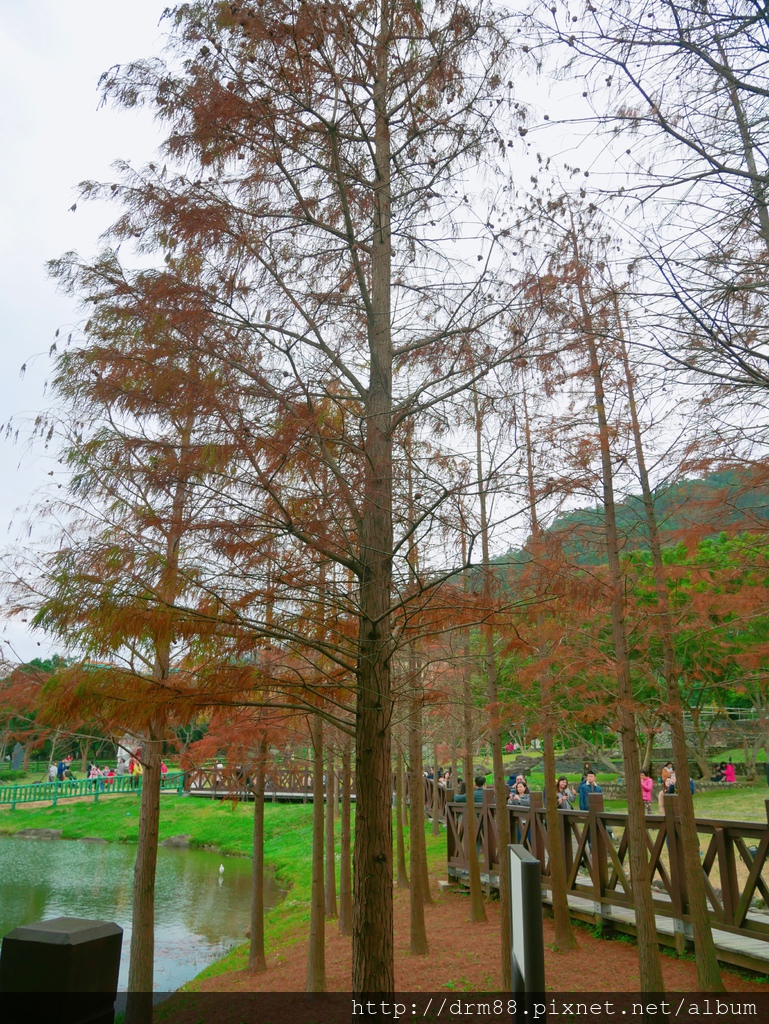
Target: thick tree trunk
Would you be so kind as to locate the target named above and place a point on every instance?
(84, 757)
(335, 784)
(316, 949)
(708, 973)
(256, 958)
(650, 968)
(142, 954)
(345, 867)
(402, 874)
(372, 954)
(564, 934)
(495, 734)
(406, 797)
(330, 886)
(477, 907)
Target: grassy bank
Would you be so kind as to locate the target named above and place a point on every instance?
(289, 923)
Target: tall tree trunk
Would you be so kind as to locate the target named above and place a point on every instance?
(401, 874)
(648, 750)
(436, 794)
(477, 907)
(142, 954)
(495, 733)
(708, 973)
(335, 783)
(330, 886)
(372, 955)
(84, 756)
(564, 934)
(650, 968)
(256, 958)
(416, 802)
(406, 804)
(316, 949)
(345, 875)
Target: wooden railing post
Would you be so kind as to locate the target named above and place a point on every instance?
(727, 870)
(447, 799)
(684, 937)
(451, 825)
(538, 836)
(598, 858)
(566, 844)
(489, 843)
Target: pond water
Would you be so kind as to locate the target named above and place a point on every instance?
(199, 913)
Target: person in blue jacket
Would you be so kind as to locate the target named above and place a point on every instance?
(586, 788)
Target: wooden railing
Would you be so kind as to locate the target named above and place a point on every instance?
(594, 844)
(43, 792)
(236, 782)
(445, 796)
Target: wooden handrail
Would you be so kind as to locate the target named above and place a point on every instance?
(594, 844)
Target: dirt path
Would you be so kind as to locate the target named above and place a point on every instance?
(466, 957)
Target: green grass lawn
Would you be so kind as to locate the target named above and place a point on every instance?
(740, 803)
(217, 823)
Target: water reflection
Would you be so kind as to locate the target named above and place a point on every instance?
(199, 914)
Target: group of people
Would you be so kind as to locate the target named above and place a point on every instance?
(566, 795)
(62, 771)
(519, 794)
(724, 772)
(668, 782)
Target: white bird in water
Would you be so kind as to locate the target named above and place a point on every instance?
(221, 869)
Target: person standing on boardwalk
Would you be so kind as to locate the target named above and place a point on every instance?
(588, 786)
(647, 787)
(565, 794)
(480, 784)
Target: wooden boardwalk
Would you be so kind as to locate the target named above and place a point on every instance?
(735, 863)
(287, 784)
(736, 950)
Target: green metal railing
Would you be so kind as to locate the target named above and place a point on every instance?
(41, 792)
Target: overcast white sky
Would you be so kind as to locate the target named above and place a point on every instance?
(52, 53)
